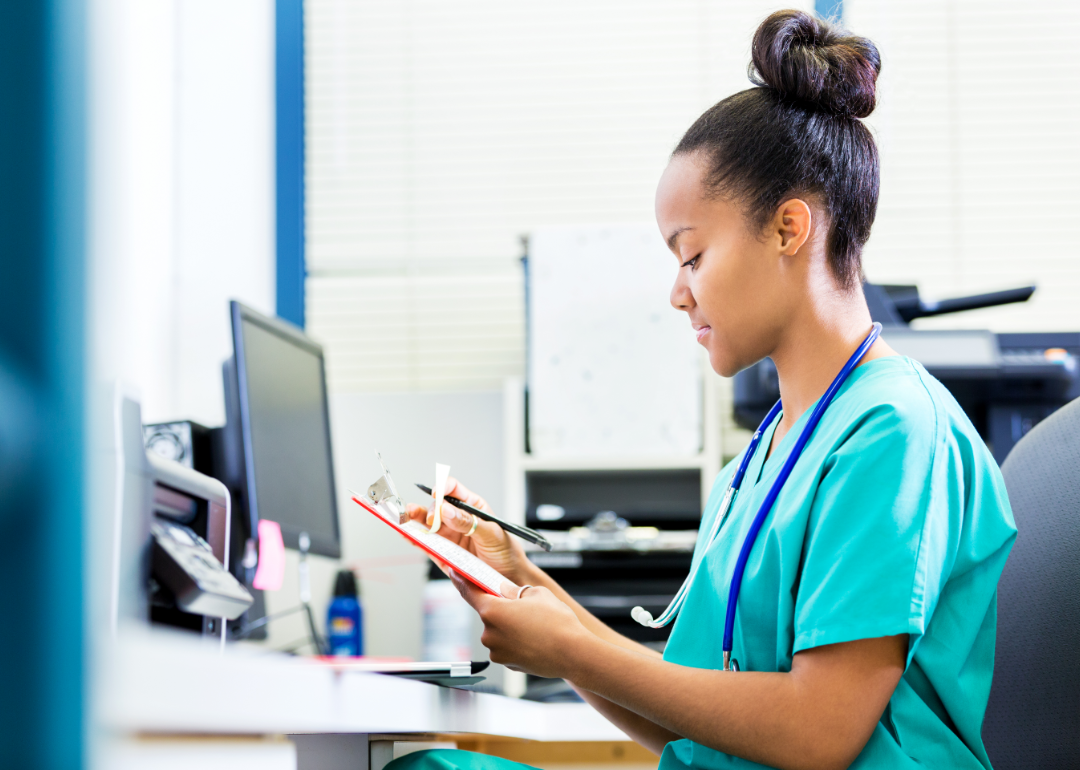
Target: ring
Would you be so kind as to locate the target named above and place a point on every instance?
(522, 590)
(475, 523)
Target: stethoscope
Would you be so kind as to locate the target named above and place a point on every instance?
(644, 617)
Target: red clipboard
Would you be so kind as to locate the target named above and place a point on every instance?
(443, 551)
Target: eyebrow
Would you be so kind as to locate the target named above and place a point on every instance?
(675, 236)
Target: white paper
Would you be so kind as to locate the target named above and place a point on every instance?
(442, 473)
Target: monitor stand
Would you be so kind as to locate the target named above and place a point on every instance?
(305, 595)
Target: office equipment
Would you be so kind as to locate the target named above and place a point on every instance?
(524, 533)
(273, 453)
(183, 441)
(1031, 718)
(461, 673)
(189, 585)
(1005, 383)
(613, 372)
(170, 543)
(184, 563)
(621, 537)
(644, 617)
(441, 549)
(281, 417)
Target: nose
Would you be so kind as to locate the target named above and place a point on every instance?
(681, 296)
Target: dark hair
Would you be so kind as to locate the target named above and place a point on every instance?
(798, 132)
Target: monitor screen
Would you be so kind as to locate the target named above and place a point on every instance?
(285, 421)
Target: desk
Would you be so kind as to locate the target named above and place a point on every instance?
(158, 690)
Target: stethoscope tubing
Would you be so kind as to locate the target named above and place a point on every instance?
(778, 484)
(732, 492)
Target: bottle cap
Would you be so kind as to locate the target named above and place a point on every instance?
(346, 584)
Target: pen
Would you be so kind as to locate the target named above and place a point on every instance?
(514, 529)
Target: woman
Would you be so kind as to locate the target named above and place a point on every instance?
(866, 618)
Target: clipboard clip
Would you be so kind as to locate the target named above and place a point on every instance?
(385, 492)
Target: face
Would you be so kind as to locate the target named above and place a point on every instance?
(733, 281)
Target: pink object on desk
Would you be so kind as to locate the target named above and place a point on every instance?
(270, 573)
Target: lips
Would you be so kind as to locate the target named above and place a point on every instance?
(702, 332)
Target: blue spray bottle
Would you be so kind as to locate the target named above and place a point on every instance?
(345, 617)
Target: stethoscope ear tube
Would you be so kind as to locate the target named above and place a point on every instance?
(643, 616)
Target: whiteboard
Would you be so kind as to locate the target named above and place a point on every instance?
(614, 369)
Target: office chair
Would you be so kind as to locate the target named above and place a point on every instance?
(1033, 717)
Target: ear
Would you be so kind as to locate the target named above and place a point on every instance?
(792, 225)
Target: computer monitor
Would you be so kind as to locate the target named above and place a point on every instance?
(287, 469)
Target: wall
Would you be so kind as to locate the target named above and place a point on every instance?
(181, 192)
(439, 134)
(978, 104)
(413, 431)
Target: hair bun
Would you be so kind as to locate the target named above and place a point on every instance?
(809, 60)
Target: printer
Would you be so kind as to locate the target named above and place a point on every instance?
(168, 552)
(1006, 383)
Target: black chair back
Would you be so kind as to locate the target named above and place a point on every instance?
(1033, 718)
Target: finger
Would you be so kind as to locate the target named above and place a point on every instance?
(486, 532)
(455, 518)
(509, 590)
(416, 512)
(458, 520)
(476, 598)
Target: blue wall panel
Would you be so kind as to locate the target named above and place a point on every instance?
(289, 109)
(42, 387)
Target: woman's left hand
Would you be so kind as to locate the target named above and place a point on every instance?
(533, 634)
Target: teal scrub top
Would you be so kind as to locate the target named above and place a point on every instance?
(894, 520)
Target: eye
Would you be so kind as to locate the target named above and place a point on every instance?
(692, 263)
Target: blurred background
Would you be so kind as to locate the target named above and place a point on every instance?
(455, 201)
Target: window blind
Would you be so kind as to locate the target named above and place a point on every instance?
(977, 125)
(440, 133)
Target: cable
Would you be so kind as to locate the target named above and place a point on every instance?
(254, 625)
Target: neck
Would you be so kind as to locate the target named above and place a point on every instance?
(815, 347)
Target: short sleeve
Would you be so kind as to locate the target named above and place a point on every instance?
(877, 536)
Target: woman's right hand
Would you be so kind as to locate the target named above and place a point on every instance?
(489, 542)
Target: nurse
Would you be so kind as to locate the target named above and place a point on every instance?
(865, 624)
